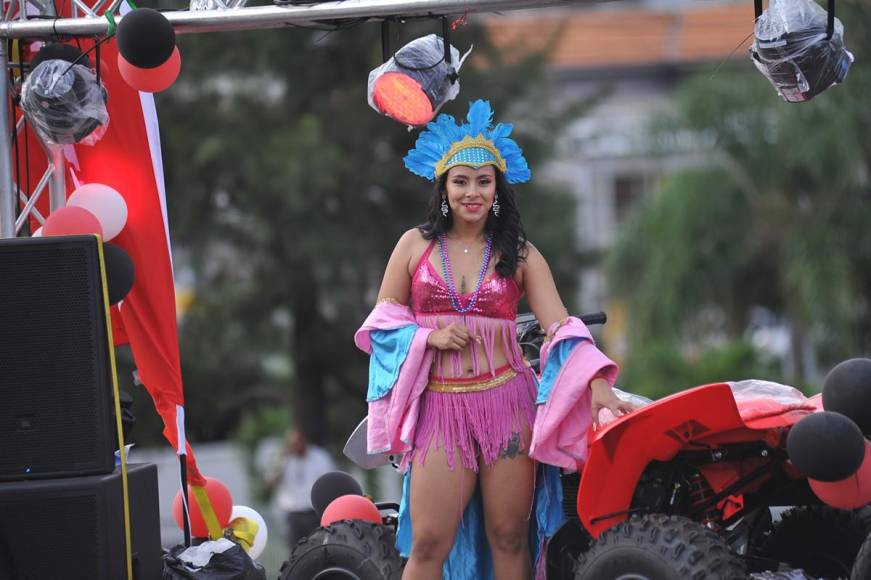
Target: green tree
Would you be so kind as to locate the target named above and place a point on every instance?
(286, 194)
(778, 219)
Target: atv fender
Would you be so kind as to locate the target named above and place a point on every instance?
(619, 452)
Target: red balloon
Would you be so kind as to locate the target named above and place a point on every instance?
(850, 493)
(351, 507)
(69, 221)
(222, 504)
(151, 80)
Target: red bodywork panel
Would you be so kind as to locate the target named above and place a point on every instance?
(619, 452)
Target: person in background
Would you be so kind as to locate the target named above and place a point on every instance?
(301, 464)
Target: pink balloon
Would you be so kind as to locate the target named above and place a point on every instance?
(105, 203)
(151, 80)
(69, 221)
(850, 493)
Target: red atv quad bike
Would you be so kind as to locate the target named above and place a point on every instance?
(685, 488)
(695, 485)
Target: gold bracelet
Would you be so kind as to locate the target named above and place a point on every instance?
(551, 333)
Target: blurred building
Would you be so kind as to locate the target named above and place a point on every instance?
(629, 56)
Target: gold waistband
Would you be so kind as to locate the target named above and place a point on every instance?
(461, 386)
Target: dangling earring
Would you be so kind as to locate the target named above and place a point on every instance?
(444, 207)
(496, 206)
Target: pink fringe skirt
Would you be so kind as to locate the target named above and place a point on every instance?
(476, 425)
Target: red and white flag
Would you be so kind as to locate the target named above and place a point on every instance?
(128, 159)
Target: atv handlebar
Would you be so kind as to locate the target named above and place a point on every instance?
(530, 335)
(594, 318)
(527, 323)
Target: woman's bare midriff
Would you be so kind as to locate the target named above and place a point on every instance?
(499, 360)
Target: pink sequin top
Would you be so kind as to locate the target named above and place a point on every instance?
(498, 297)
(492, 318)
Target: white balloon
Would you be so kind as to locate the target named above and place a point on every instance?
(37, 233)
(241, 511)
(105, 203)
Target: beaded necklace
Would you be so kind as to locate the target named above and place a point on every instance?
(448, 274)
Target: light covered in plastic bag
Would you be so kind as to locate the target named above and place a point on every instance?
(413, 84)
(794, 50)
(65, 103)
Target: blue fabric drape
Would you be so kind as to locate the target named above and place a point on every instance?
(559, 354)
(389, 350)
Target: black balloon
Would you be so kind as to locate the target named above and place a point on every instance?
(145, 38)
(59, 51)
(847, 390)
(120, 273)
(331, 485)
(826, 446)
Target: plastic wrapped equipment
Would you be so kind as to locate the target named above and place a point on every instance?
(794, 50)
(65, 103)
(397, 87)
(212, 560)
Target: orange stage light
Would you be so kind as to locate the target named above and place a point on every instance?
(400, 97)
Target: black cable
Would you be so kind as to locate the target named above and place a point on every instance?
(20, 61)
(446, 39)
(96, 48)
(15, 147)
(830, 28)
(25, 126)
(385, 40)
(97, 44)
(186, 522)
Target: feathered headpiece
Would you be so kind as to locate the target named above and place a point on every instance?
(444, 144)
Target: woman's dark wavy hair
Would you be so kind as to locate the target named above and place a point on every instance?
(509, 237)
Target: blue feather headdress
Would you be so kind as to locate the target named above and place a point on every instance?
(477, 143)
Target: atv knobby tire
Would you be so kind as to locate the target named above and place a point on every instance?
(821, 540)
(659, 547)
(346, 550)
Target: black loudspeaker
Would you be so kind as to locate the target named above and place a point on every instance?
(73, 528)
(56, 360)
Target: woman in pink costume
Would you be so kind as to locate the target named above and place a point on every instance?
(449, 386)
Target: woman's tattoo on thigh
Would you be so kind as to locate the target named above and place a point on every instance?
(511, 450)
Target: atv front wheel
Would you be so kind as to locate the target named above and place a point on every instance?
(821, 540)
(659, 547)
(346, 550)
